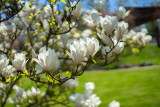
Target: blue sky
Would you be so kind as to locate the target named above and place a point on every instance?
(114, 6)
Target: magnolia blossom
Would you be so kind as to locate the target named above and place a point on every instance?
(48, 59)
(121, 29)
(78, 10)
(92, 19)
(107, 40)
(9, 71)
(122, 13)
(71, 83)
(114, 104)
(109, 23)
(19, 91)
(47, 11)
(89, 86)
(19, 61)
(77, 51)
(106, 51)
(100, 4)
(87, 94)
(65, 38)
(148, 38)
(3, 62)
(92, 46)
(87, 33)
(119, 47)
(144, 30)
(93, 101)
(78, 99)
(35, 91)
(3, 29)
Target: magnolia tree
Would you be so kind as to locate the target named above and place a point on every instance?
(42, 45)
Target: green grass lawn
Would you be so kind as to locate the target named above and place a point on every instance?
(150, 53)
(132, 88)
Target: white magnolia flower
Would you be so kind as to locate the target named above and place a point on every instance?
(87, 94)
(35, 91)
(105, 39)
(89, 86)
(87, 33)
(3, 29)
(92, 19)
(114, 104)
(92, 46)
(119, 47)
(144, 30)
(19, 61)
(71, 83)
(105, 50)
(9, 71)
(109, 23)
(148, 38)
(47, 11)
(100, 4)
(121, 29)
(3, 62)
(78, 10)
(19, 91)
(65, 38)
(77, 51)
(47, 59)
(122, 13)
(93, 101)
(77, 99)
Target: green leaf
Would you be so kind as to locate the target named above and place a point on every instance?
(52, 1)
(94, 61)
(26, 72)
(8, 80)
(135, 50)
(63, 1)
(68, 74)
(49, 79)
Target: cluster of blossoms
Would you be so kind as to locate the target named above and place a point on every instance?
(135, 41)
(21, 95)
(88, 99)
(141, 38)
(110, 30)
(42, 44)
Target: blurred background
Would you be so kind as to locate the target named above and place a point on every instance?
(134, 79)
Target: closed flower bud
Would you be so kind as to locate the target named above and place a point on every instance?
(19, 61)
(105, 50)
(105, 39)
(119, 47)
(78, 10)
